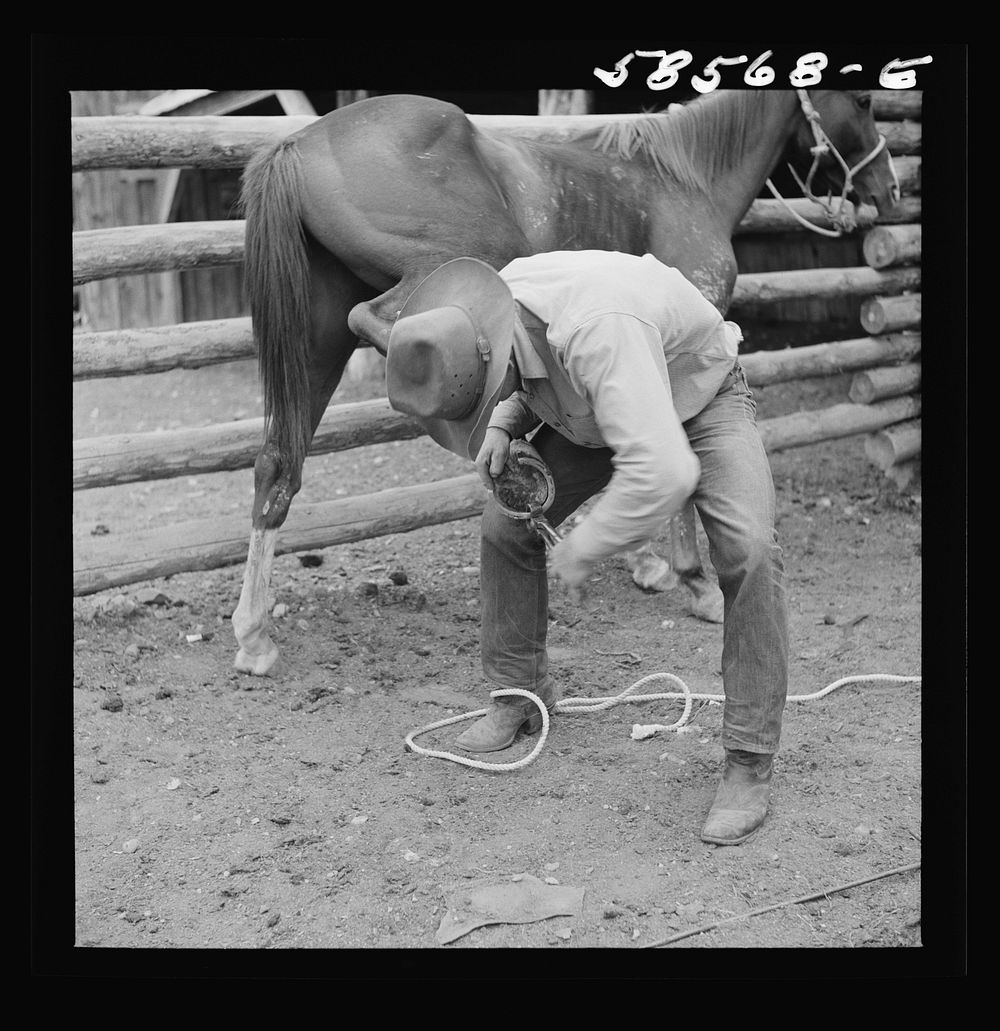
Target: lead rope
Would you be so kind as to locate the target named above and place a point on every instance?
(639, 731)
(844, 221)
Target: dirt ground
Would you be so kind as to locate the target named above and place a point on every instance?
(216, 810)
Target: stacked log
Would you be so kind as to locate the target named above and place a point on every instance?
(894, 449)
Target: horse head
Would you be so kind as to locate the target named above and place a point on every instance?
(849, 156)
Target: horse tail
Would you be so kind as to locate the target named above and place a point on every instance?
(276, 278)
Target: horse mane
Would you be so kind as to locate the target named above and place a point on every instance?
(692, 144)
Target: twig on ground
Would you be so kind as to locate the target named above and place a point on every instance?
(825, 893)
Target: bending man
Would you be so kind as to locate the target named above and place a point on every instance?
(627, 380)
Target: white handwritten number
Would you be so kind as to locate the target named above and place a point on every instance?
(666, 73)
(618, 76)
(759, 74)
(713, 79)
(891, 78)
(808, 70)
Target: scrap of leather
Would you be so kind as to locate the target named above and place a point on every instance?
(524, 901)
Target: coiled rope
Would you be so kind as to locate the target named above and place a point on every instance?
(639, 731)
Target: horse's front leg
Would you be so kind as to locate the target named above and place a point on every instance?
(704, 593)
(651, 571)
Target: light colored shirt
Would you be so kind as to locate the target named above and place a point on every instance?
(625, 350)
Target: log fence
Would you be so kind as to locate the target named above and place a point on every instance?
(883, 402)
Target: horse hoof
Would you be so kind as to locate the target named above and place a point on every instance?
(707, 603)
(256, 664)
(652, 573)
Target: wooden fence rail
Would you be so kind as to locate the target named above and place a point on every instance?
(226, 141)
(182, 246)
(104, 562)
(130, 457)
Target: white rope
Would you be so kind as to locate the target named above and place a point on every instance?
(639, 731)
(809, 225)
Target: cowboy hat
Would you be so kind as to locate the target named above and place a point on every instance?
(448, 352)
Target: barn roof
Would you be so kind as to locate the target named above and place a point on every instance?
(220, 102)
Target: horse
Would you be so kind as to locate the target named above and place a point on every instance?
(346, 216)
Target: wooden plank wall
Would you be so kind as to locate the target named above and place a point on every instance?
(121, 197)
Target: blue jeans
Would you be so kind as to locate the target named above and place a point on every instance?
(735, 499)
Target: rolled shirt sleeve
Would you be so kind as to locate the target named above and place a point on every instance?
(616, 361)
(514, 415)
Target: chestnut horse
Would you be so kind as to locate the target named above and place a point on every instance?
(346, 216)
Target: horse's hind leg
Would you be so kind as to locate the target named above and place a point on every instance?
(334, 291)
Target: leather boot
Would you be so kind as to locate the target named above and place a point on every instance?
(500, 726)
(741, 800)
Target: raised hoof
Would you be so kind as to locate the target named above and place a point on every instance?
(257, 663)
(705, 600)
(652, 573)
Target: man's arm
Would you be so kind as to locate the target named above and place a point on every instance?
(514, 415)
(616, 362)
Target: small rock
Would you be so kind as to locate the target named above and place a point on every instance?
(151, 596)
(131, 651)
(551, 866)
(830, 618)
(358, 820)
(118, 605)
(131, 845)
(612, 913)
(273, 919)
(113, 703)
(844, 848)
(564, 933)
(311, 560)
(410, 856)
(422, 649)
(862, 831)
(399, 577)
(99, 777)
(173, 784)
(368, 589)
(279, 610)
(99, 530)
(690, 910)
(163, 692)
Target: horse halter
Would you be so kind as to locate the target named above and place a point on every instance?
(836, 213)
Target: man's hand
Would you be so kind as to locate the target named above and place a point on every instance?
(492, 455)
(565, 567)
